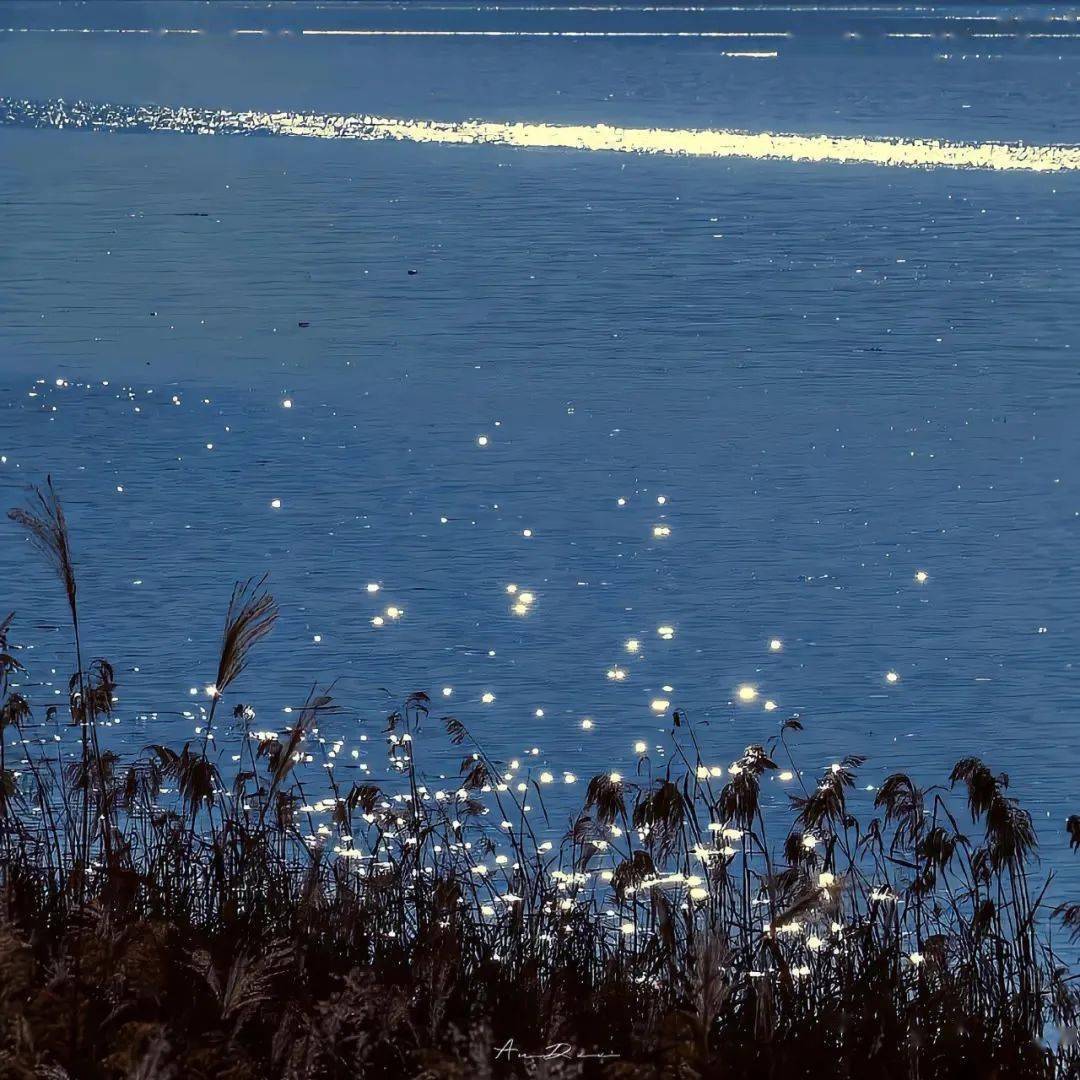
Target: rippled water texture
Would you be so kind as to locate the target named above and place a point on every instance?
(737, 399)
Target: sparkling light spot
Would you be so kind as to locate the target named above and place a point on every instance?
(633, 645)
(275, 503)
(921, 576)
(481, 440)
(487, 697)
(660, 531)
(287, 403)
(892, 677)
(775, 645)
(447, 691)
(586, 724)
(746, 692)
(659, 705)
(770, 705)
(640, 747)
(666, 632)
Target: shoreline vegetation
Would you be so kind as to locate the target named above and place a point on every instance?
(216, 911)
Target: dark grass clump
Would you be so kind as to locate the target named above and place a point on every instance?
(203, 912)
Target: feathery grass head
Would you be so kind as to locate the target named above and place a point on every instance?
(197, 779)
(1010, 834)
(739, 797)
(631, 872)
(45, 524)
(662, 813)
(251, 616)
(14, 712)
(605, 796)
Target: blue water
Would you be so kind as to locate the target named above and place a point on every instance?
(835, 375)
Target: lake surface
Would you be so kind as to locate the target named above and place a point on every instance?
(834, 375)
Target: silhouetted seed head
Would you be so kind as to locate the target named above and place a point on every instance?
(14, 712)
(902, 802)
(364, 797)
(738, 801)
(828, 802)
(661, 813)
(982, 785)
(44, 521)
(938, 846)
(1010, 835)
(455, 729)
(91, 693)
(605, 796)
(631, 872)
(196, 777)
(8, 664)
(475, 774)
(251, 616)
(1072, 827)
